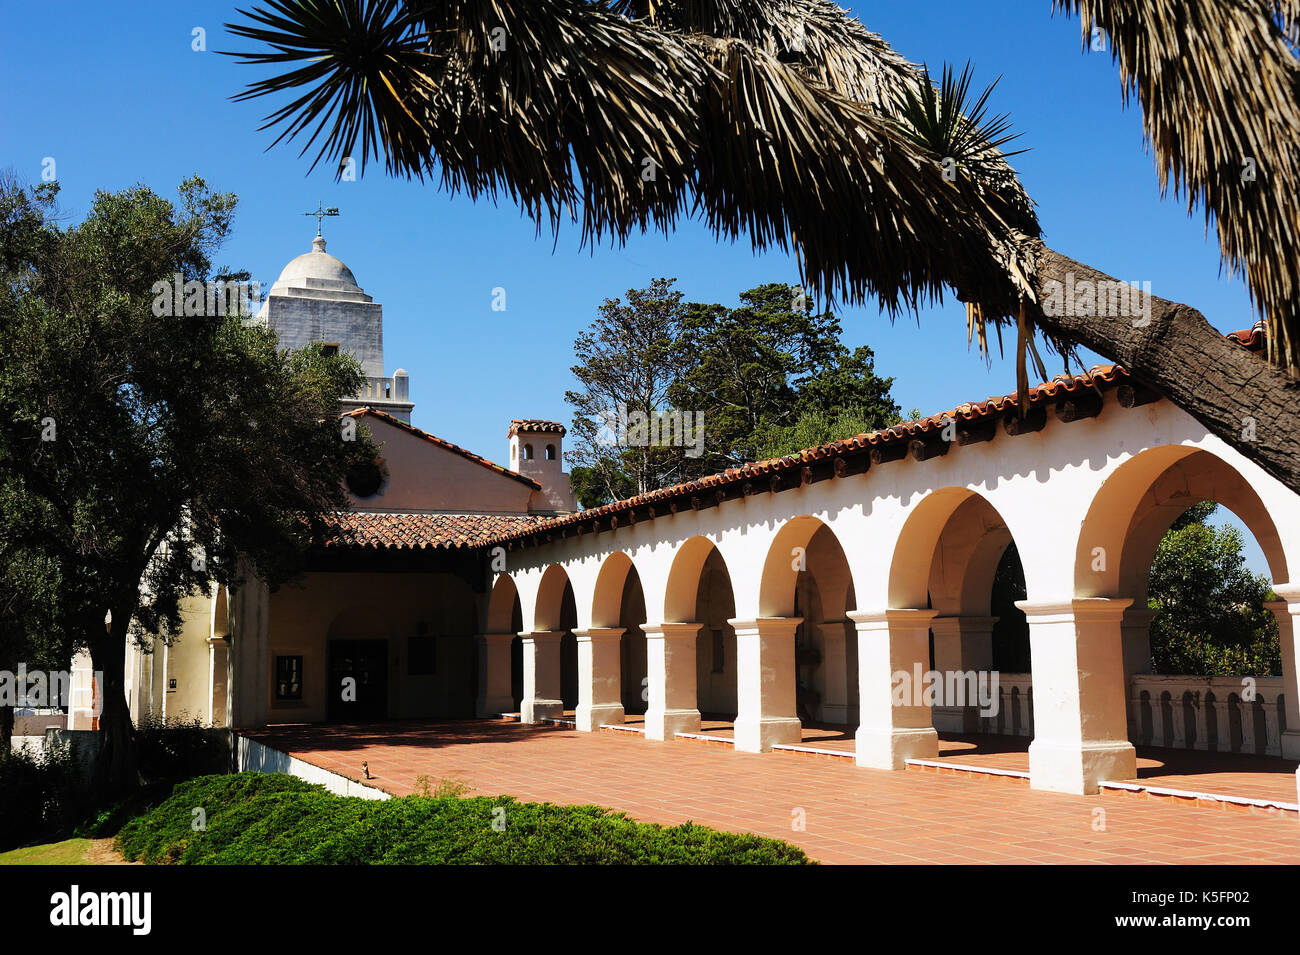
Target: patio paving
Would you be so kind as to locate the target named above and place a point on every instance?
(1241, 775)
(848, 814)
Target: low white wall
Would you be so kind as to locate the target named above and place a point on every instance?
(82, 745)
(1177, 712)
(255, 757)
(1208, 713)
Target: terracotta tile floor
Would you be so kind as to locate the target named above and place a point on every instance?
(851, 815)
(1227, 774)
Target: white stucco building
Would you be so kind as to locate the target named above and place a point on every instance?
(772, 595)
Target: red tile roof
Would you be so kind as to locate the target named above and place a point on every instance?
(419, 531)
(447, 445)
(534, 425)
(1098, 378)
(366, 530)
(1250, 338)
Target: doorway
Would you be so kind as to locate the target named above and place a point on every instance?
(365, 664)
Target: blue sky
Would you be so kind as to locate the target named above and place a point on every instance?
(116, 95)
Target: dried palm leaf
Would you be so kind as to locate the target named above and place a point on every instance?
(1217, 82)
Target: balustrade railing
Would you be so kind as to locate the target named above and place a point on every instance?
(1217, 714)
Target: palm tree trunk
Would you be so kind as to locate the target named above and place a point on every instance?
(1250, 404)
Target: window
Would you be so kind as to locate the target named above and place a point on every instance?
(288, 678)
(719, 661)
(550, 452)
(528, 452)
(330, 349)
(421, 656)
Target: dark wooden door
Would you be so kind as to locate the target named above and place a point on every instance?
(365, 664)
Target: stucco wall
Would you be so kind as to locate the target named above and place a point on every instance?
(426, 477)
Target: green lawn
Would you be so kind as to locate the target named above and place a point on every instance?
(67, 852)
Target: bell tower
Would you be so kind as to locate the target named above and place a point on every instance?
(537, 452)
(316, 300)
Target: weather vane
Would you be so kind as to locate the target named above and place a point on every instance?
(322, 212)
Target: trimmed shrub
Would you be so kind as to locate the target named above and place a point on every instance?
(273, 819)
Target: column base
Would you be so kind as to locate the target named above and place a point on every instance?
(1291, 744)
(534, 711)
(890, 749)
(759, 736)
(590, 718)
(1078, 767)
(663, 724)
(486, 709)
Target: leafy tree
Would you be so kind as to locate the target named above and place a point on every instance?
(1211, 617)
(809, 430)
(755, 381)
(791, 122)
(147, 455)
(761, 368)
(1011, 632)
(626, 364)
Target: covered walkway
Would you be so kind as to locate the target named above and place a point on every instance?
(838, 812)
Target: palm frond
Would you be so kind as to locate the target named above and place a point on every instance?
(1218, 84)
(572, 109)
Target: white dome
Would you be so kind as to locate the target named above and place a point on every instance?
(316, 275)
(316, 264)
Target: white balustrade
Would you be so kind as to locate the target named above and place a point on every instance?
(1179, 712)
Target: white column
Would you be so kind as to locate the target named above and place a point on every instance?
(218, 647)
(249, 660)
(766, 682)
(1287, 611)
(962, 645)
(835, 673)
(600, 696)
(541, 676)
(673, 706)
(1135, 637)
(494, 694)
(83, 709)
(895, 722)
(1135, 631)
(1080, 721)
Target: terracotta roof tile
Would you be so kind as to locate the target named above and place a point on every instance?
(535, 425)
(1251, 338)
(1097, 378)
(368, 530)
(995, 407)
(434, 439)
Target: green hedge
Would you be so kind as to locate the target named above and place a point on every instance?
(273, 819)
